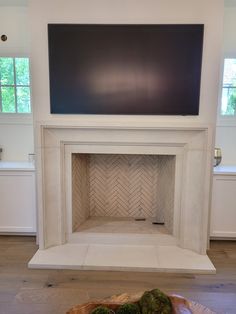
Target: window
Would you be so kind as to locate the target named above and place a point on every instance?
(14, 85)
(228, 99)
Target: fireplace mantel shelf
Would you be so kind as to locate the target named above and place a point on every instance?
(104, 126)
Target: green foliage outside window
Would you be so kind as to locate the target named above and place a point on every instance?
(22, 71)
(6, 71)
(14, 85)
(232, 102)
(228, 104)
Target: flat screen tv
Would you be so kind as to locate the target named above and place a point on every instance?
(125, 69)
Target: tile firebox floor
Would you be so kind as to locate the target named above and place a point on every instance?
(121, 225)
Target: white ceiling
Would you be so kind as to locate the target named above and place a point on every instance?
(7, 3)
(228, 3)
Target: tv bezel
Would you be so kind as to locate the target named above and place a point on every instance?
(127, 25)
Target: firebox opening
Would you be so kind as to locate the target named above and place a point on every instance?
(123, 193)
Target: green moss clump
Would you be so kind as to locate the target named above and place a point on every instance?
(101, 310)
(155, 302)
(128, 308)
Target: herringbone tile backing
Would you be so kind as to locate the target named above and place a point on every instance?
(123, 186)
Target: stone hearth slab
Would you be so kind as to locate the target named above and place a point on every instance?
(68, 256)
(145, 258)
(174, 258)
(122, 257)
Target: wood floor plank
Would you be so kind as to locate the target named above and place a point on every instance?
(26, 291)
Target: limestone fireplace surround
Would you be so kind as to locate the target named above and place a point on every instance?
(192, 151)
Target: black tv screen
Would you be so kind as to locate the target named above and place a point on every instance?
(125, 69)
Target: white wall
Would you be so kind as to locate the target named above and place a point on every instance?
(226, 131)
(16, 139)
(208, 12)
(226, 140)
(16, 133)
(14, 22)
(229, 29)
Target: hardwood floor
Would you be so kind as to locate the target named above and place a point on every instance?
(27, 291)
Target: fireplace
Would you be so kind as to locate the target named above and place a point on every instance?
(96, 182)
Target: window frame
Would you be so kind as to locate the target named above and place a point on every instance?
(224, 120)
(17, 117)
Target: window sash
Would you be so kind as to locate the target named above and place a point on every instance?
(14, 85)
(226, 87)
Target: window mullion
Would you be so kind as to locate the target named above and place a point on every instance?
(14, 68)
